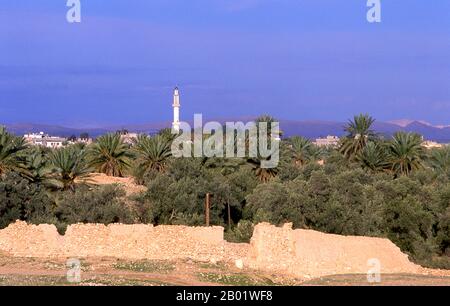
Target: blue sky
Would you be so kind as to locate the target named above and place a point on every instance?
(294, 59)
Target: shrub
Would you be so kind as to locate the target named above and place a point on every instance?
(443, 233)
(99, 205)
(180, 193)
(241, 233)
(22, 200)
(409, 226)
(169, 201)
(276, 203)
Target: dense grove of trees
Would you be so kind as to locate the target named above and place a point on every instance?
(368, 185)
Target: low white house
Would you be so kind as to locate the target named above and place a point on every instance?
(329, 141)
(42, 139)
(129, 138)
(431, 144)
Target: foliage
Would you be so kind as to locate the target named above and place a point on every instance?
(100, 205)
(10, 149)
(27, 201)
(440, 159)
(268, 121)
(359, 133)
(152, 154)
(373, 157)
(36, 166)
(405, 153)
(67, 165)
(258, 162)
(178, 196)
(264, 174)
(300, 148)
(22, 200)
(110, 155)
(275, 202)
(241, 233)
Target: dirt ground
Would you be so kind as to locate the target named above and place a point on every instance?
(113, 272)
(128, 183)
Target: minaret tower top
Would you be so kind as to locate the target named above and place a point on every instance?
(176, 97)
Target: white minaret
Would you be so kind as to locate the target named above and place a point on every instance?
(176, 110)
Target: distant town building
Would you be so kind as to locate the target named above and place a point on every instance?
(431, 144)
(45, 140)
(86, 141)
(329, 141)
(129, 138)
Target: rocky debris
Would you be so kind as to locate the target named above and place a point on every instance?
(239, 264)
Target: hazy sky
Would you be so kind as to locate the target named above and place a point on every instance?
(294, 59)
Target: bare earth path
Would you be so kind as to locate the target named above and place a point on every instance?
(109, 271)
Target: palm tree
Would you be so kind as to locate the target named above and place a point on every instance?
(223, 165)
(110, 155)
(405, 153)
(10, 149)
(359, 133)
(36, 165)
(269, 120)
(300, 149)
(263, 174)
(440, 159)
(167, 134)
(68, 164)
(373, 157)
(152, 153)
(316, 153)
(256, 162)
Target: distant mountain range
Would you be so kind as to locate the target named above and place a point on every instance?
(315, 129)
(309, 129)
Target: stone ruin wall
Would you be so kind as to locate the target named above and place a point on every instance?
(301, 253)
(117, 240)
(307, 253)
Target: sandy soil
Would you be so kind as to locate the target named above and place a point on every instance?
(110, 271)
(128, 183)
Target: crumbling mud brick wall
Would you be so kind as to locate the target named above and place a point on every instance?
(301, 253)
(307, 253)
(121, 241)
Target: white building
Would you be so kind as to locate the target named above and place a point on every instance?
(329, 141)
(42, 139)
(431, 144)
(86, 141)
(129, 138)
